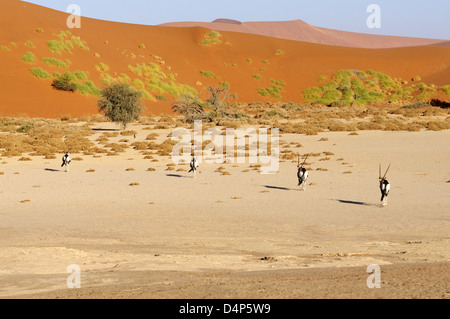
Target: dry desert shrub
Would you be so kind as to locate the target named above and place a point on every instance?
(128, 133)
(437, 126)
(347, 172)
(24, 159)
(129, 169)
(140, 146)
(152, 136)
(151, 169)
(134, 184)
(163, 149)
(117, 148)
(90, 170)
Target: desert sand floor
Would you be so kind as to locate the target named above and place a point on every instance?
(243, 235)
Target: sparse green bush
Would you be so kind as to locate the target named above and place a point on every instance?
(88, 88)
(5, 48)
(40, 73)
(445, 89)
(63, 83)
(81, 75)
(312, 94)
(257, 76)
(80, 43)
(29, 57)
(55, 62)
(211, 38)
(321, 78)
(207, 74)
(102, 67)
(57, 47)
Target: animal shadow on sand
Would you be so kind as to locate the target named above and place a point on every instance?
(279, 188)
(351, 202)
(105, 129)
(178, 176)
(52, 170)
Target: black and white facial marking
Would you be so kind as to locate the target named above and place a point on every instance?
(384, 188)
(302, 175)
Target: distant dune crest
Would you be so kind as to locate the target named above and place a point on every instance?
(299, 30)
(230, 21)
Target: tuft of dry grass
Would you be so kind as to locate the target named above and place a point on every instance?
(347, 172)
(128, 133)
(129, 169)
(25, 201)
(24, 159)
(134, 184)
(90, 170)
(151, 169)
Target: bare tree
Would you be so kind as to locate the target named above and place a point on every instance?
(190, 107)
(217, 98)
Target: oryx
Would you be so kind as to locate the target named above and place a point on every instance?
(302, 173)
(384, 185)
(194, 165)
(66, 161)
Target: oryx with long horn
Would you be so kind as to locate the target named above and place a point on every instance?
(384, 185)
(194, 165)
(302, 173)
(66, 161)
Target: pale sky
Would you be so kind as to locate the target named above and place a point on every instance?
(414, 18)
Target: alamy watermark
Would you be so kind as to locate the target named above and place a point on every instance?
(374, 20)
(237, 146)
(374, 279)
(74, 19)
(74, 279)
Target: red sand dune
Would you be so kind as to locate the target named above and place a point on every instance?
(117, 45)
(299, 30)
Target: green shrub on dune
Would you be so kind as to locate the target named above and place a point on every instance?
(365, 87)
(29, 57)
(445, 89)
(55, 62)
(40, 73)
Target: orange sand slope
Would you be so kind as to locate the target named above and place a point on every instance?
(180, 59)
(299, 30)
